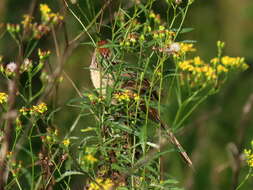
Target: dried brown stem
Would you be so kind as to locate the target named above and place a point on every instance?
(9, 118)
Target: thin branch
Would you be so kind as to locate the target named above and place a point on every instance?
(9, 117)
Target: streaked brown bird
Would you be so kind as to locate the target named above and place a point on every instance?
(102, 80)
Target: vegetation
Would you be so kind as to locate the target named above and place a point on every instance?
(131, 128)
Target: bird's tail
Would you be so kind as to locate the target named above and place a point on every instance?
(176, 143)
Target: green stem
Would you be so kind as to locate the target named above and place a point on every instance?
(245, 179)
(183, 19)
(31, 151)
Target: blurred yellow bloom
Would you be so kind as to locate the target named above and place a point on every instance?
(122, 96)
(234, 62)
(90, 158)
(24, 111)
(151, 14)
(198, 71)
(27, 21)
(249, 157)
(221, 69)
(136, 97)
(47, 14)
(215, 61)
(107, 184)
(185, 47)
(3, 97)
(161, 27)
(66, 142)
(44, 9)
(41, 108)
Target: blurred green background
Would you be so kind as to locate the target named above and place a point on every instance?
(219, 129)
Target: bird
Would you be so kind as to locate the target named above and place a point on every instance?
(101, 80)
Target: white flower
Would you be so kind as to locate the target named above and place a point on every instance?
(178, 1)
(11, 67)
(27, 65)
(173, 48)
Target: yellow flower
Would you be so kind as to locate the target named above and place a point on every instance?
(234, 62)
(151, 14)
(142, 37)
(221, 69)
(157, 19)
(24, 111)
(215, 60)
(198, 61)
(136, 97)
(18, 124)
(155, 35)
(127, 43)
(47, 14)
(92, 97)
(123, 96)
(90, 158)
(3, 97)
(66, 142)
(132, 39)
(27, 21)
(161, 27)
(249, 157)
(44, 9)
(198, 71)
(209, 72)
(186, 48)
(107, 184)
(41, 108)
(149, 29)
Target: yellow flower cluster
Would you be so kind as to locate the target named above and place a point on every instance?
(185, 47)
(51, 137)
(130, 40)
(106, 184)
(162, 32)
(94, 99)
(27, 22)
(39, 109)
(35, 30)
(90, 158)
(66, 142)
(249, 157)
(156, 17)
(126, 96)
(48, 16)
(230, 63)
(43, 54)
(122, 97)
(3, 97)
(234, 62)
(200, 72)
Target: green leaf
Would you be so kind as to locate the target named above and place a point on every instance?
(68, 173)
(189, 41)
(170, 181)
(123, 128)
(116, 167)
(186, 30)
